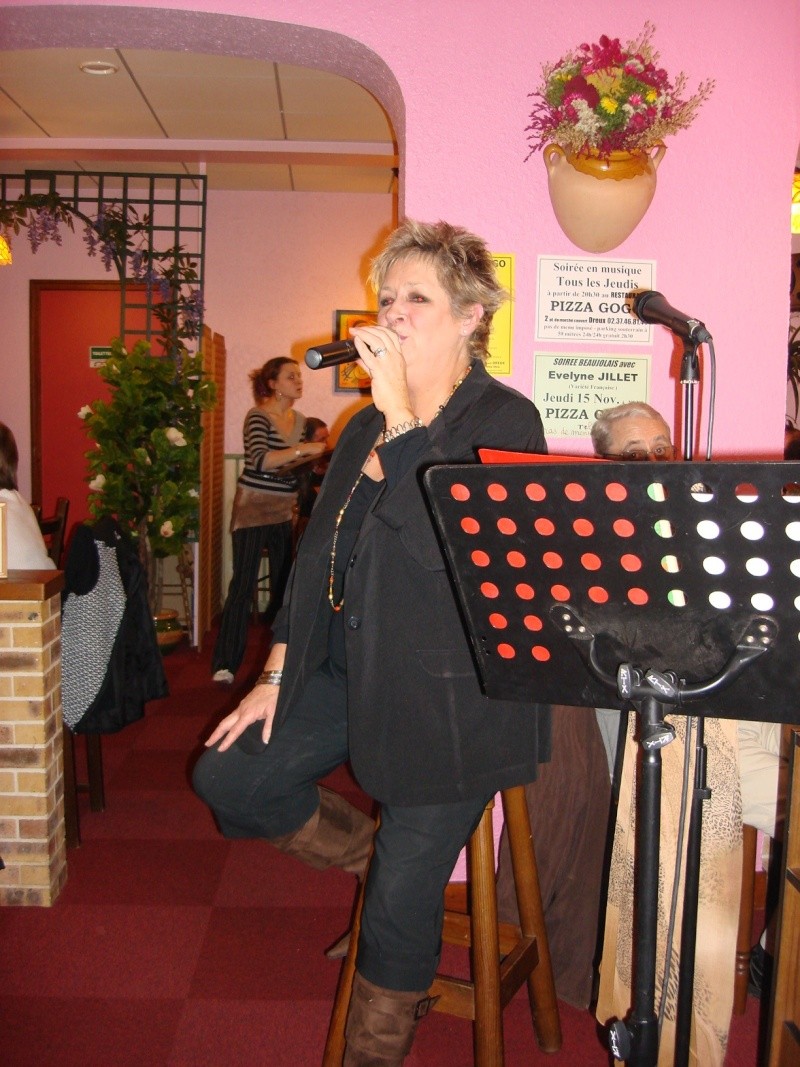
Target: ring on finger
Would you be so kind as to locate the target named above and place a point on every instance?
(378, 352)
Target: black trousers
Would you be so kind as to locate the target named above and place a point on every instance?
(248, 545)
(258, 790)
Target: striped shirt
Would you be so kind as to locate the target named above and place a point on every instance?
(260, 438)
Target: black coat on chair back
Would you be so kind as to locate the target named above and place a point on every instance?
(110, 660)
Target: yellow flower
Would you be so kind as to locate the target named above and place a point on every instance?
(609, 104)
(651, 96)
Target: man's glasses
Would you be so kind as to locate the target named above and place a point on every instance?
(635, 455)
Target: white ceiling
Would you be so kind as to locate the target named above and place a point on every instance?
(246, 123)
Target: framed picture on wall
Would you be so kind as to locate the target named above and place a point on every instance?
(351, 377)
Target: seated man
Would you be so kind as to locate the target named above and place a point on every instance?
(740, 780)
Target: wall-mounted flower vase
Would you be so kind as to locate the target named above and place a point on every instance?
(600, 200)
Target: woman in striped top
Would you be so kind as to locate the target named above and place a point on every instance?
(266, 495)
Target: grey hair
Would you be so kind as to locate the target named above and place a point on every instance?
(606, 417)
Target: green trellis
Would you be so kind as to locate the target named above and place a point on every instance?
(160, 222)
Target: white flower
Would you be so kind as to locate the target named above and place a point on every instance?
(175, 437)
(192, 492)
(85, 412)
(167, 529)
(97, 483)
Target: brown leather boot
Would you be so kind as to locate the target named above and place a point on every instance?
(381, 1024)
(336, 835)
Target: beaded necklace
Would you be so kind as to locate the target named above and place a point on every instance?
(349, 497)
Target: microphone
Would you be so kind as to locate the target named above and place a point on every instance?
(651, 307)
(331, 355)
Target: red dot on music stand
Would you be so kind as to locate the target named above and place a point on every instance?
(623, 528)
(506, 651)
(559, 592)
(525, 591)
(552, 560)
(500, 622)
(540, 653)
(532, 622)
(496, 491)
(574, 491)
(629, 562)
(616, 491)
(459, 491)
(534, 491)
(598, 594)
(506, 526)
(490, 590)
(470, 526)
(516, 559)
(480, 558)
(583, 528)
(591, 561)
(544, 527)
(637, 595)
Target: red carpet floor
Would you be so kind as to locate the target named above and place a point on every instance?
(171, 946)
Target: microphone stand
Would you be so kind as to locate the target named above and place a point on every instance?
(690, 377)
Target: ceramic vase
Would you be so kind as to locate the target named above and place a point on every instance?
(169, 631)
(599, 201)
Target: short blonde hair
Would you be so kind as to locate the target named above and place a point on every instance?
(464, 268)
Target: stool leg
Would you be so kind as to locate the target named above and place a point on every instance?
(541, 987)
(744, 935)
(488, 1027)
(335, 1043)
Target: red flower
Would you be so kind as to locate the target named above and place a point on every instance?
(579, 87)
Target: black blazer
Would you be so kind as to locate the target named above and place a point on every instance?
(420, 730)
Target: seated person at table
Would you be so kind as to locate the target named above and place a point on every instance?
(26, 547)
(740, 774)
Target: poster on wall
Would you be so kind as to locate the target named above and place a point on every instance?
(570, 388)
(499, 361)
(583, 299)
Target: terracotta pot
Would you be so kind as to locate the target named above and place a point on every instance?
(169, 631)
(600, 201)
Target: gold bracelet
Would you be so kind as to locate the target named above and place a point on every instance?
(270, 678)
(401, 428)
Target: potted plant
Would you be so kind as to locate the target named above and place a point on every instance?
(600, 116)
(145, 467)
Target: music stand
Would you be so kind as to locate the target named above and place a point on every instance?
(657, 585)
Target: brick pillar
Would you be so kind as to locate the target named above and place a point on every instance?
(32, 844)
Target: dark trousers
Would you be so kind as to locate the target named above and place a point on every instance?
(248, 545)
(258, 790)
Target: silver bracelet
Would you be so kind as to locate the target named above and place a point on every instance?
(401, 428)
(270, 678)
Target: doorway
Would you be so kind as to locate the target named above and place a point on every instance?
(71, 322)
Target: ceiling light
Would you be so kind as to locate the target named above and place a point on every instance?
(98, 66)
(5, 252)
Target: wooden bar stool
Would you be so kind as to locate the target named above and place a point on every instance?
(503, 956)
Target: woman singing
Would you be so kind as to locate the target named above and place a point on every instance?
(370, 660)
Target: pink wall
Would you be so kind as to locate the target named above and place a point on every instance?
(455, 82)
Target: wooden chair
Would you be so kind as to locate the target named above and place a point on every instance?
(94, 784)
(54, 530)
(502, 956)
(744, 935)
